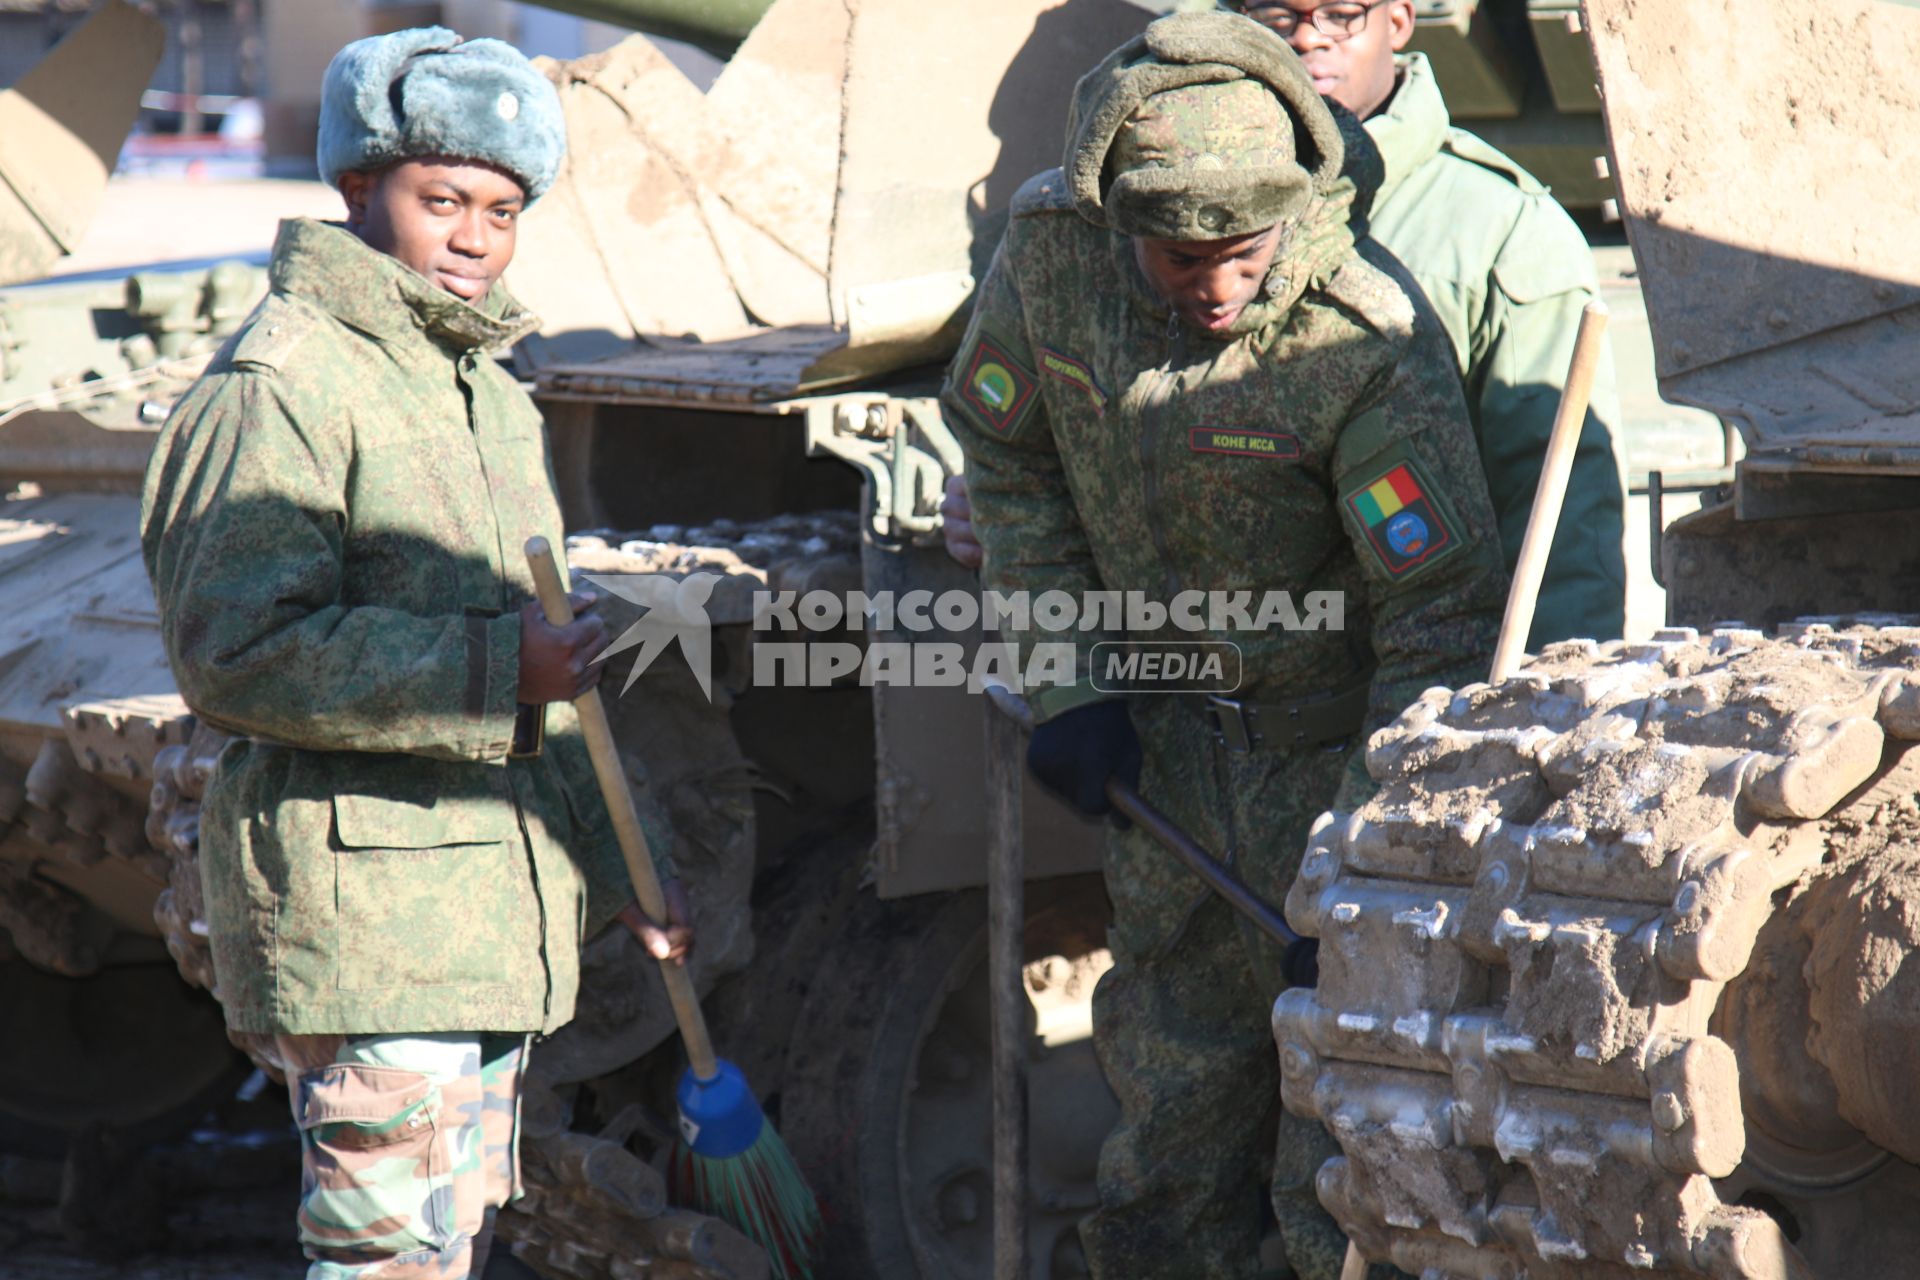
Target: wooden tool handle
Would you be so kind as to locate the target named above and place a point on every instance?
(1008, 1004)
(1551, 493)
(626, 819)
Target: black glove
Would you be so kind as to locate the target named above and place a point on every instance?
(1075, 754)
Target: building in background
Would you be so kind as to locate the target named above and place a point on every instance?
(240, 79)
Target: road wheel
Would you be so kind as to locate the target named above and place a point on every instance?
(887, 1101)
(131, 1047)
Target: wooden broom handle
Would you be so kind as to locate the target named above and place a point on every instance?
(1524, 594)
(552, 594)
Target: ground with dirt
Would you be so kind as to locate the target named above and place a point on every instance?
(216, 1204)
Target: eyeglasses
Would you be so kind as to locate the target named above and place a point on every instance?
(1339, 21)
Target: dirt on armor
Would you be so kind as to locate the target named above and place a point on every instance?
(1527, 933)
(1861, 923)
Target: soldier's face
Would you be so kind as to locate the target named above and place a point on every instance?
(1347, 45)
(1209, 282)
(453, 221)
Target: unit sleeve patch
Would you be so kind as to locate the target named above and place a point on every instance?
(1404, 526)
(997, 386)
(1076, 374)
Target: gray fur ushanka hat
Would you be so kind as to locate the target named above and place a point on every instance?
(426, 92)
(1203, 126)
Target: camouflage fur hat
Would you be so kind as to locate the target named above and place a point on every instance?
(427, 92)
(1203, 126)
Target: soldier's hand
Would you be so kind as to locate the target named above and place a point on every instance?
(1073, 755)
(557, 663)
(956, 512)
(675, 942)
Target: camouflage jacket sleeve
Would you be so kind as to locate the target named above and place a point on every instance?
(1414, 503)
(1024, 515)
(243, 523)
(1541, 281)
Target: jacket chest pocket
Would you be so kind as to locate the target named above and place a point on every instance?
(1247, 491)
(430, 896)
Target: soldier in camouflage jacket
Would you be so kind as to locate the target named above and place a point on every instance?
(1180, 376)
(333, 520)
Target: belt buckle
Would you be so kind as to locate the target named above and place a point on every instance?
(1232, 723)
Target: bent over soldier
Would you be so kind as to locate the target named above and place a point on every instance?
(1179, 376)
(333, 521)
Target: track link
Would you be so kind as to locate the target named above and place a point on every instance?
(1526, 931)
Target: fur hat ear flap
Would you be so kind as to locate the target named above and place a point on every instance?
(358, 127)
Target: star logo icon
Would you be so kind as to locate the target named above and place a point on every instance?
(674, 610)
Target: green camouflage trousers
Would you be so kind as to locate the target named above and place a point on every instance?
(409, 1144)
(1181, 1021)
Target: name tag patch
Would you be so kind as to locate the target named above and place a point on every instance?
(1404, 526)
(996, 386)
(1243, 444)
(1076, 375)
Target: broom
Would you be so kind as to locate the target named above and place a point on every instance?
(729, 1162)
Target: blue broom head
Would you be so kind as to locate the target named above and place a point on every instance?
(719, 1116)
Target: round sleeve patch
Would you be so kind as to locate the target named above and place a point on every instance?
(997, 386)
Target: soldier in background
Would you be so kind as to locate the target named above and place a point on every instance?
(1181, 376)
(1508, 273)
(398, 874)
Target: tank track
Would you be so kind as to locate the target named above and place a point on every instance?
(1526, 931)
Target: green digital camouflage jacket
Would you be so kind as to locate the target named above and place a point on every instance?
(1321, 445)
(1508, 273)
(333, 521)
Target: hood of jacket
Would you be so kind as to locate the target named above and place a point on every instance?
(1312, 247)
(1203, 198)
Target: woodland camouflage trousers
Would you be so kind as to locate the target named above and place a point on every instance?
(408, 1145)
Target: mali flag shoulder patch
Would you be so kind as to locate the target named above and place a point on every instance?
(997, 387)
(1403, 523)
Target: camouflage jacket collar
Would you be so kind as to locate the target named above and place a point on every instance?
(330, 267)
(1412, 128)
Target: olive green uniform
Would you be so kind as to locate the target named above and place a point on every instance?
(1508, 274)
(1112, 447)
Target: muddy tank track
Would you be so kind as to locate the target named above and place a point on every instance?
(1526, 932)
